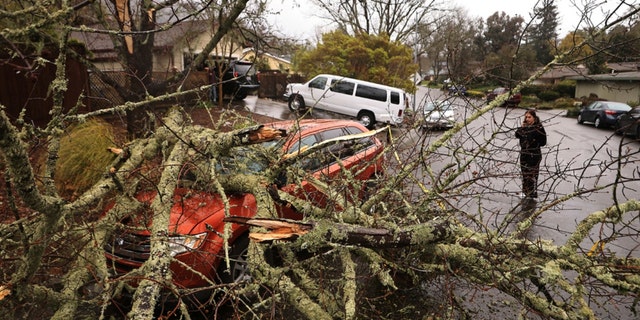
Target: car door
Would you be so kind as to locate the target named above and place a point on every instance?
(629, 121)
(338, 162)
(591, 111)
(317, 90)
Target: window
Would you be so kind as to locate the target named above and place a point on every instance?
(345, 87)
(395, 97)
(304, 142)
(372, 93)
(318, 83)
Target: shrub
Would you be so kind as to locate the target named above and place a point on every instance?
(564, 103)
(548, 95)
(573, 112)
(83, 156)
(533, 90)
(566, 88)
(475, 94)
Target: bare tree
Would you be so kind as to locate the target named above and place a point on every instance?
(431, 229)
(397, 19)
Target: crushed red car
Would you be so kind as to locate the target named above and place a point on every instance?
(196, 225)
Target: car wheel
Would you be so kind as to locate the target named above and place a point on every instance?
(616, 128)
(580, 120)
(239, 267)
(367, 118)
(296, 103)
(597, 123)
(638, 133)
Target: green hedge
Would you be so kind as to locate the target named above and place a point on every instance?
(545, 92)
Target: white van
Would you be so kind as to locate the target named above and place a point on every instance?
(367, 101)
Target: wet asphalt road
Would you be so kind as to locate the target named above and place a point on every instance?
(577, 157)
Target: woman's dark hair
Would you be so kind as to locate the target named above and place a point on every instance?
(532, 112)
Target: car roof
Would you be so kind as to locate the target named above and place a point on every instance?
(314, 124)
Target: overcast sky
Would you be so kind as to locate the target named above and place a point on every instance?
(299, 19)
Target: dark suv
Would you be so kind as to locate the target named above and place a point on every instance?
(239, 80)
(196, 227)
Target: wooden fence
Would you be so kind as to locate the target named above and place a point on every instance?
(22, 88)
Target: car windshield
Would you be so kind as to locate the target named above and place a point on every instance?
(437, 106)
(248, 159)
(245, 69)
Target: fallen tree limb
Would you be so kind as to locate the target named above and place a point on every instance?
(283, 229)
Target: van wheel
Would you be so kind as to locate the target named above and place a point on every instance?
(239, 267)
(367, 118)
(296, 103)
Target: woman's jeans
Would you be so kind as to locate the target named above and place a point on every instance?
(530, 166)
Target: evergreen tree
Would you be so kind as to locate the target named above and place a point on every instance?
(542, 33)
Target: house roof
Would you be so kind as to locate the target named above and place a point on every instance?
(619, 76)
(102, 46)
(623, 66)
(266, 54)
(562, 72)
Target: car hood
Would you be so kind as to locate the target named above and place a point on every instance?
(439, 114)
(193, 211)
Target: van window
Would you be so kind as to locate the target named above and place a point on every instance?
(342, 86)
(318, 83)
(372, 93)
(395, 97)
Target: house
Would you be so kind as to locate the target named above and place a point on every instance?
(619, 86)
(558, 73)
(174, 48)
(267, 61)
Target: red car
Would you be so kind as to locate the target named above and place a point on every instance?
(196, 226)
(513, 101)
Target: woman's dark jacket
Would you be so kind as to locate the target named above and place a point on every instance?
(531, 139)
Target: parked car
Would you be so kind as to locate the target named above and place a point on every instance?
(457, 90)
(239, 80)
(602, 113)
(367, 101)
(196, 225)
(438, 114)
(512, 101)
(628, 123)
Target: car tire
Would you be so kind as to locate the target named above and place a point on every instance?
(367, 119)
(597, 123)
(239, 267)
(580, 120)
(638, 133)
(617, 130)
(296, 103)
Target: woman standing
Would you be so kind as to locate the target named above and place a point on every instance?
(532, 136)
